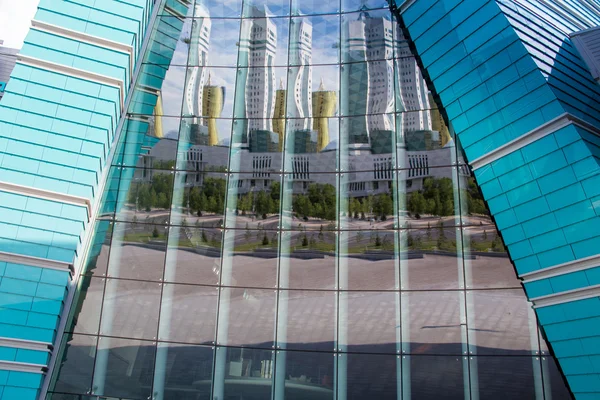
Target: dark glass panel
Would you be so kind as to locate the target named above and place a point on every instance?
(124, 368)
(74, 371)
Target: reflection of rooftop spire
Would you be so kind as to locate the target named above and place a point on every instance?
(208, 83)
(321, 85)
(281, 84)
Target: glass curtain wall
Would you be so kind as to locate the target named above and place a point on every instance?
(287, 216)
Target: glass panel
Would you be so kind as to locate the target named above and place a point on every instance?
(245, 373)
(367, 36)
(246, 317)
(501, 322)
(199, 197)
(352, 5)
(208, 93)
(77, 364)
(307, 320)
(371, 324)
(162, 49)
(88, 305)
(256, 95)
(138, 251)
(124, 368)
(474, 210)
(435, 377)
(367, 198)
(250, 258)
(273, 7)
(194, 253)
(130, 309)
(188, 314)
(431, 196)
(97, 261)
(315, 7)
(302, 144)
(368, 260)
(307, 375)
(184, 371)
(307, 259)
(487, 264)
(372, 376)
(213, 41)
(309, 202)
(147, 142)
(315, 37)
(435, 325)
(146, 195)
(169, 81)
(218, 8)
(204, 142)
(517, 376)
(432, 259)
(253, 200)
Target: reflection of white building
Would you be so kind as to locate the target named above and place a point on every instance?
(379, 33)
(300, 76)
(368, 77)
(366, 174)
(198, 56)
(413, 98)
(258, 45)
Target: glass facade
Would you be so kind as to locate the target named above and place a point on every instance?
(290, 217)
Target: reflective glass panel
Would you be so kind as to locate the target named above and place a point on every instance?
(246, 317)
(188, 314)
(130, 309)
(124, 368)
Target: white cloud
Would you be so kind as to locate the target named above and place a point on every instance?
(15, 20)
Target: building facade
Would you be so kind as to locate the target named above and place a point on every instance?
(411, 213)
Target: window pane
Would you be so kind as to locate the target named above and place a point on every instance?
(435, 377)
(307, 320)
(188, 314)
(124, 368)
(371, 324)
(138, 251)
(194, 254)
(77, 364)
(130, 309)
(435, 325)
(246, 317)
(185, 370)
(88, 305)
(368, 260)
(501, 322)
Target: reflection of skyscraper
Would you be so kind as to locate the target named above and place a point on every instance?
(381, 74)
(355, 77)
(369, 78)
(323, 107)
(279, 116)
(258, 45)
(198, 55)
(212, 105)
(413, 95)
(300, 76)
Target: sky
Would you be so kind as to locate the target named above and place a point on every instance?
(15, 20)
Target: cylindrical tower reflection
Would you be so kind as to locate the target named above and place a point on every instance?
(212, 105)
(324, 104)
